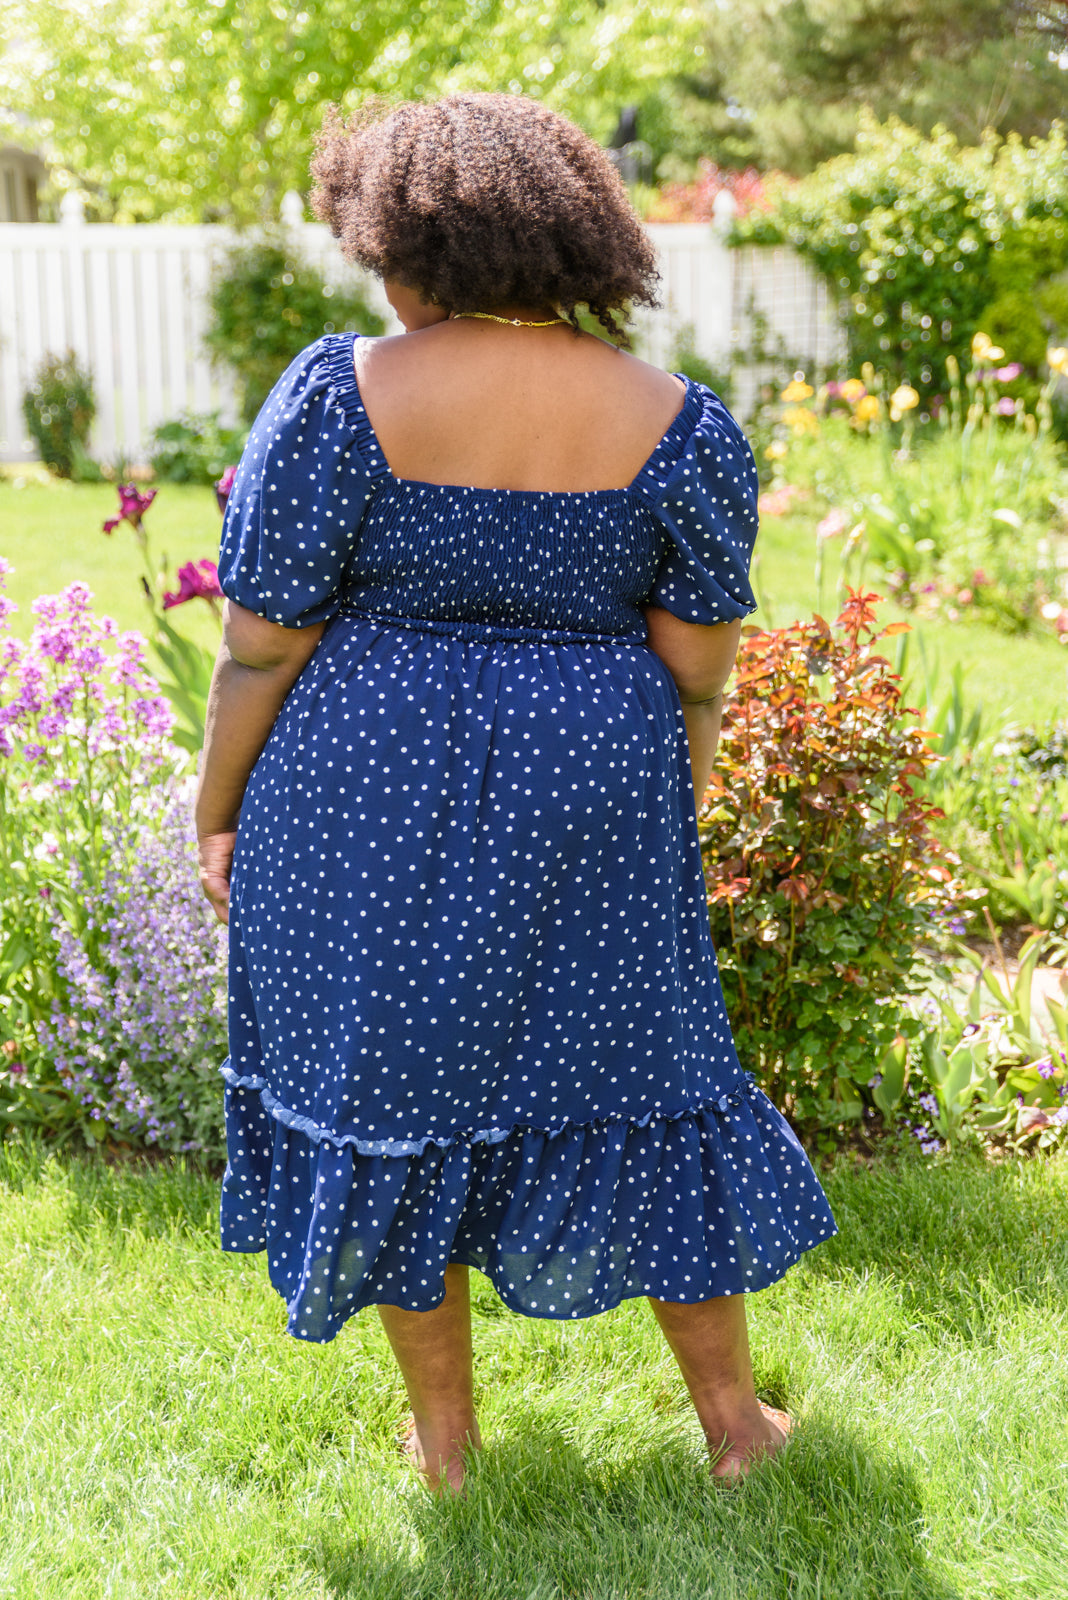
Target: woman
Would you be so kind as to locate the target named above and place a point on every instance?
(484, 585)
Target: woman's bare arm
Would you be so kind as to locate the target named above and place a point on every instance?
(257, 665)
(699, 659)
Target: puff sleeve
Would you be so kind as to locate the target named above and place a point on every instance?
(298, 498)
(707, 504)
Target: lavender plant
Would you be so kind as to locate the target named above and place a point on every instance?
(139, 1030)
(90, 922)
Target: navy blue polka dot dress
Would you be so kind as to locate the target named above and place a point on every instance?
(474, 1009)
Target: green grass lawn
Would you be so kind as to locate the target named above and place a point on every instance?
(161, 1437)
(52, 536)
(1015, 678)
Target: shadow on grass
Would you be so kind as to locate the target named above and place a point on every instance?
(541, 1522)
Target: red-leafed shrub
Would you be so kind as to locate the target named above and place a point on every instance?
(822, 871)
(693, 202)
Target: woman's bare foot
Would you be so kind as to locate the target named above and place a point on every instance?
(433, 1351)
(710, 1343)
(733, 1455)
(446, 1448)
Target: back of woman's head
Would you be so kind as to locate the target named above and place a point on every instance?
(484, 200)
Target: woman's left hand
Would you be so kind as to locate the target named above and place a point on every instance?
(215, 853)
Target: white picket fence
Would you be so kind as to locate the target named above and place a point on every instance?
(131, 303)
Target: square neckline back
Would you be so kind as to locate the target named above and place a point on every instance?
(342, 360)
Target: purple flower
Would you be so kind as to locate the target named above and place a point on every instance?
(196, 580)
(1047, 1068)
(929, 1104)
(132, 506)
(956, 926)
(224, 485)
(139, 1027)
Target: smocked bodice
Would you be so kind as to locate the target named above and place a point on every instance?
(317, 524)
(582, 562)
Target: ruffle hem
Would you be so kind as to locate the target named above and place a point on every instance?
(566, 1222)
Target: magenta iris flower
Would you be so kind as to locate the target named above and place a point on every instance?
(132, 506)
(224, 485)
(197, 580)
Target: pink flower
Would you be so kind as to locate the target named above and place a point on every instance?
(196, 580)
(224, 485)
(979, 577)
(834, 523)
(777, 502)
(1006, 407)
(1006, 374)
(132, 506)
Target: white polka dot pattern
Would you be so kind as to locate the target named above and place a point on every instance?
(474, 1007)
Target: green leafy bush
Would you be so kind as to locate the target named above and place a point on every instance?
(265, 307)
(823, 874)
(59, 408)
(925, 242)
(195, 448)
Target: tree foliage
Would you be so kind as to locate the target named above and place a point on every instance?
(782, 83)
(207, 112)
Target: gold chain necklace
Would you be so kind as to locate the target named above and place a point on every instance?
(511, 322)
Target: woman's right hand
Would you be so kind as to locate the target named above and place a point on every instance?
(215, 854)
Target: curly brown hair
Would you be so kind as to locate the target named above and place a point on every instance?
(484, 200)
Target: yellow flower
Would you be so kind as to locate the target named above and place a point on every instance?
(797, 391)
(852, 390)
(800, 420)
(904, 398)
(993, 352)
(867, 408)
(981, 343)
(1058, 360)
(776, 450)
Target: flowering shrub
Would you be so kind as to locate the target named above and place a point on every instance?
(822, 871)
(97, 898)
(695, 202)
(139, 1028)
(193, 448)
(265, 306)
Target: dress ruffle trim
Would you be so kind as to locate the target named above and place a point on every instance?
(564, 1224)
(734, 1096)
